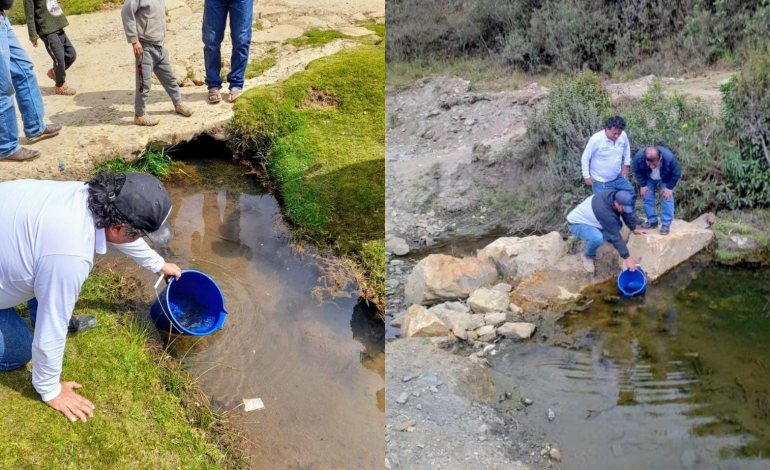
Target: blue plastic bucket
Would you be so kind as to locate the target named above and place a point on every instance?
(632, 283)
(192, 305)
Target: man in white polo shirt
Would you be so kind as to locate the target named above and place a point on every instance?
(607, 158)
(49, 231)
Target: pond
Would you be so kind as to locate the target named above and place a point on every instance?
(314, 359)
(678, 378)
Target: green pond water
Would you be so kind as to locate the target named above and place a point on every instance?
(678, 378)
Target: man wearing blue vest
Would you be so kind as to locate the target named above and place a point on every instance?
(607, 158)
(656, 167)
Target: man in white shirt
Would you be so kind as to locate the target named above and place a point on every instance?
(49, 232)
(607, 158)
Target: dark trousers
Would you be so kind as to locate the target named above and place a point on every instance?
(62, 52)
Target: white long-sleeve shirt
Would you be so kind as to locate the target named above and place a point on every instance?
(47, 244)
(602, 157)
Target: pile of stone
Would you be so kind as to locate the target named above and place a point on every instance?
(485, 315)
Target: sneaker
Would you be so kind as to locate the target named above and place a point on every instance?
(21, 155)
(648, 225)
(588, 264)
(664, 230)
(146, 120)
(64, 90)
(81, 323)
(184, 110)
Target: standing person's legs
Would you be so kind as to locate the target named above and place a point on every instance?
(241, 19)
(9, 130)
(162, 68)
(69, 50)
(56, 50)
(649, 203)
(214, 20)
(143, 79)
(15, 340)
(598, 186)
(667, 210)
(27, 91)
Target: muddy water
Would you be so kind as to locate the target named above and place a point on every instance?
(318, 367)
(678, 379)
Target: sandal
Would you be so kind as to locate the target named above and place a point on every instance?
(214, 96)
(183, 109)
(234, 94)
(145, 120)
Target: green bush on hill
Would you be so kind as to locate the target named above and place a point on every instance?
(655, 36)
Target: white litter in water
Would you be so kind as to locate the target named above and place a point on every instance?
(251, 404)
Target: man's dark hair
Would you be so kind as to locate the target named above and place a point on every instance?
(102, 190)
(615, 122)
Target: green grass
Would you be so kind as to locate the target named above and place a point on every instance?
(316, 38)
(376, 28)
(70, 7)
(258, 67)
(153, 162)
(323, 133)
(147, 414)
(258, 25)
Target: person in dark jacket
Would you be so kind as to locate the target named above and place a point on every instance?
(656, 166)
(597, 219)
(46, 21)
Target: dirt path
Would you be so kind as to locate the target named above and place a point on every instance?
(98, 121)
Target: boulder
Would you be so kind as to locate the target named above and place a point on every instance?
(486, 333)
(453, 318)
(457, 307)
(658, 253)
(503, 287)
(516, 330)
(705, 221)
(460, 333)
(419, 322)
(442, 277)
(494, 318)
(522, 257)
(488, 300)
(397, 246)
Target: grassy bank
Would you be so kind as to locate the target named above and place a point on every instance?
(70, 7)
(148, 413)
(322, 134)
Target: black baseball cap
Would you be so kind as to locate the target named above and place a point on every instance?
(146, 205)
(627, 200)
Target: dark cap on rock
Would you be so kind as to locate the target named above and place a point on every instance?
(627, 200)
(146, 205)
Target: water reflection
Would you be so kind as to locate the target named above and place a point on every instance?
(677, 378)
(319, 370)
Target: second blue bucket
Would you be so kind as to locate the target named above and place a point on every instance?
(632, 283)
(193, 305)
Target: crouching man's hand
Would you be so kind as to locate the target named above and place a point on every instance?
(631, 263)
(170, 270)
(72, 405)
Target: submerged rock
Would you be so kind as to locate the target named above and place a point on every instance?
(397, 246)
(441, 277)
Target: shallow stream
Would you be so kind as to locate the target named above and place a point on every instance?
(676, 379)
(318, 366)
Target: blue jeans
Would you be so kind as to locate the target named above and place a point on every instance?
(618, 183)
(214, 19)
(666, 205)
(593, 236)
(15, 337)
(17, 77)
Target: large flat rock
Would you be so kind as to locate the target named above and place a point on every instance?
(440, 277)
(657, 253)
